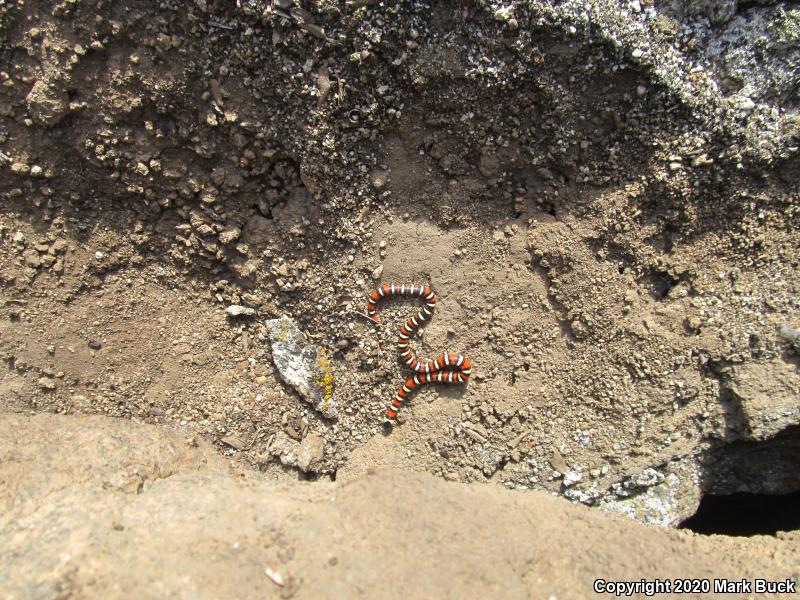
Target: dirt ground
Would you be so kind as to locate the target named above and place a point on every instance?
(604, 197)
(141, 511)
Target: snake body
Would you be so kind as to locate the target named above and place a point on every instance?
(445, 368)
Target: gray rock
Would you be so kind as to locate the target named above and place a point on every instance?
(656, 505)
(303, 366)
(758, 50)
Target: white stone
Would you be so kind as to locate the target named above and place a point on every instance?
(237, 310)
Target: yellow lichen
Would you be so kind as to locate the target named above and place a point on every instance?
(326, 378)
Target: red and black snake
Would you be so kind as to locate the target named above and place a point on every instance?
(445, 368)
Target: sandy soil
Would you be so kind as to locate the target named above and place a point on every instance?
(605, 199)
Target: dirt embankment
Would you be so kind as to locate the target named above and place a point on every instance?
(605, 197)
(95, 507)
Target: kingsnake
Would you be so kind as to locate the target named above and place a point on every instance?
(445, 368)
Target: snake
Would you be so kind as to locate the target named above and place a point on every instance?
(450, 367)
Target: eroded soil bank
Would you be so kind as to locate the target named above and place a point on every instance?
(134, 510)
(604, 196)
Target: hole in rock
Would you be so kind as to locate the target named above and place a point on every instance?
(745, 514)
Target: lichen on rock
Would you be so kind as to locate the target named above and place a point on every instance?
(305, 367)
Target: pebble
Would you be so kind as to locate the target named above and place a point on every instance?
(377, 272)
(379, 179)
(311, 453)
(229, 235)
(47, 383)
(95, 345)
(237, 310)
(745, 104)
(234, 442)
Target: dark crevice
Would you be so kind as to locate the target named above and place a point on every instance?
(757, 466)
(750, 487)
(745, 514)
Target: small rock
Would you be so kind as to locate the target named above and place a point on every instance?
(237, 310)
(789, 333)
(694, 323)
(745, 104)
(95, 345)
(303, 366)
(489, 164)
(377, 272)
(571, 478)
(274, 576)
(233, 441)
(311, 453)
(32, 259)
(156, 411)
(47, 383)
(558, 463)
(230, 234)
(379, 178)
(47, 102)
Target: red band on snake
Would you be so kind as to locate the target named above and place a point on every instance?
(445, 368)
